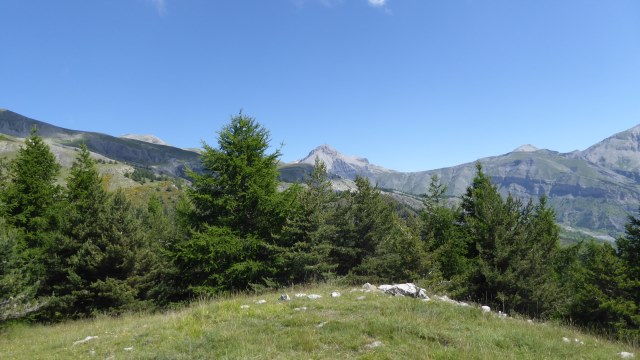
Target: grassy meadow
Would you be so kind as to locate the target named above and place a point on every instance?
(354, 325)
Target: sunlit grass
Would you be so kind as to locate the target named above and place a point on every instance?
(335, 328)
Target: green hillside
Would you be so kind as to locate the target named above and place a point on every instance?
(345, 327)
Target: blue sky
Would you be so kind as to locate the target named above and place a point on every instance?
(410, 84)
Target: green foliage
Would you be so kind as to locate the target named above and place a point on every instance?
(31, 196)
(309, 234)
(17, 291)
(238, 188)
(235, 209)
(512, 247)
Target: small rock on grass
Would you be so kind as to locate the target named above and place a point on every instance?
(361, 297)
(260, 302)
(285, 297)
(374, 345)
(335, 294)
(626, 355)
(88, 338)
(314, 296)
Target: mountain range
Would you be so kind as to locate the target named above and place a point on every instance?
(593, 191)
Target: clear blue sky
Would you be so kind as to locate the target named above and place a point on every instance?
(410, 84)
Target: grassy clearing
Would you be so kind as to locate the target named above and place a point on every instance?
(335, 328)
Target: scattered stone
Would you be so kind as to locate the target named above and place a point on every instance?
(361, 297)
(626, 355)
(408, 289)
(314, 296)
(463, 304)
(368, 287)
(502, 315)
(128, 348)
(335, 294)
(426, 300)
(530, 321)
(304, 308)
(260, 302)
(92, 352)
(88, 338)
(374, 345)
(244, 306)
(300, 295)
(564, 339)
(285, 297)
(486, 309)
(322, 324)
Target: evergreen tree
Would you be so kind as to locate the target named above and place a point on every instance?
(235, 210)
(239, 186)
(440, 234)
(512, 247)
(17, 290)
(31, 196)
(363, 223)
(309, 234)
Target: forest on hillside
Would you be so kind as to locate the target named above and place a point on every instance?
(76, 250)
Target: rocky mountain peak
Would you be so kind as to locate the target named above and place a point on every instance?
(526, 148)
(620, 152)
(340, 164)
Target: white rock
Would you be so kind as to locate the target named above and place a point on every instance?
(530, 321)
(486, 309)
(626, 355)
(408, 289)
(564, 339)
(368, 287)
(300, 295)
(426, 300)
(335, 294)
(322, 324)
(88, 338)
(244, 306)
(260, 302)
(92, 352)
(314, 296)
(285, 297)
(361, 297)
(463, 304)
(128, 348)
(502, 315)
(304, 308)
(374, 345)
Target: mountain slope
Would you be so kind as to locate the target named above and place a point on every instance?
(164, 159)
(592, 191)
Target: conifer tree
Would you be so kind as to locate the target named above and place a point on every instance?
(31, 196)
(308, 236)
(235, 210)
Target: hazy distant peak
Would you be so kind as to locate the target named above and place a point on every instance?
(146, 138)
(526, 148)
(343, 165)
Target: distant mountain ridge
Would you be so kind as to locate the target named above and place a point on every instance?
(164, 159)
(592, 191)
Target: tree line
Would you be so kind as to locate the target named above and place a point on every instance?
(77, 250)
